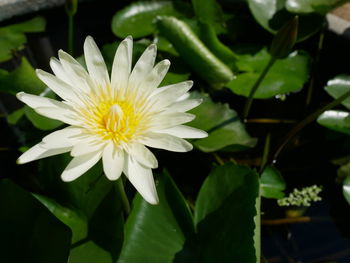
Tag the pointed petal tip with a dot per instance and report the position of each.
(67, 177)
(129, 37)
(20, 95)
(189, 83)
(151, 199)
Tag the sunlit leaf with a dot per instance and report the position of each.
(338, 86)
(310, 6)
(12, 38)
(29, 232)
(286, 75)
(336, 120)
(223, 125)
(272, 183)
(137, 18)
(224, 215)
(272, 15)
(157, 233)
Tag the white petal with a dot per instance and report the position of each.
(166, 142)
(79, 165)
(95, 62)
(122, 64)
(185, 105)
(62, 114)
(58, 86)
(142, 155)
(113, 161)
(172, 92)
(88, 145)
(39, 152)
(155, 77)
(185, 132)
(143, 66)
(167, 120)
(142, 179)
(79, 78)
(50, 108)
(66, 137)
(35, 101)
(58, 70)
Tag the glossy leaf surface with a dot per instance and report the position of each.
(226, 131)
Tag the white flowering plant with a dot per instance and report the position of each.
(169, 138)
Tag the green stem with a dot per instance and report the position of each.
(306, 121)
(70, 34)
(123, 197)
(315, 66)
(249, 101)
(266, 152)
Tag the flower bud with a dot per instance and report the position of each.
(71, 7)
(285, 39)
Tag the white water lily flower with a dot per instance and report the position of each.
(113, 118)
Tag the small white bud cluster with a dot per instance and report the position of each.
(302, 197)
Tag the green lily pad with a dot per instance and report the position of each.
(29, 232)
(338, 86)
(137, 18)
(336, 120)
(222, 124)
(272, 15)
(311, 6)
(272, 183)
(224, 215)
(285, 76)
(157, 233)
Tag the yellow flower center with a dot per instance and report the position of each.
(113, 118)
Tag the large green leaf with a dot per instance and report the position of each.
(193, 51)
(224, 215)
(157, 233)
(12, 37)
(286, 75)
(93, 208)
(105, 238)
(137, 18)
(85, 193)
(272, 183)
(72, 218)
(272, 15)
(336, 120)
(311, 6)
(226, 131)
(22, 78)
(338, 86)
(29, 232)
